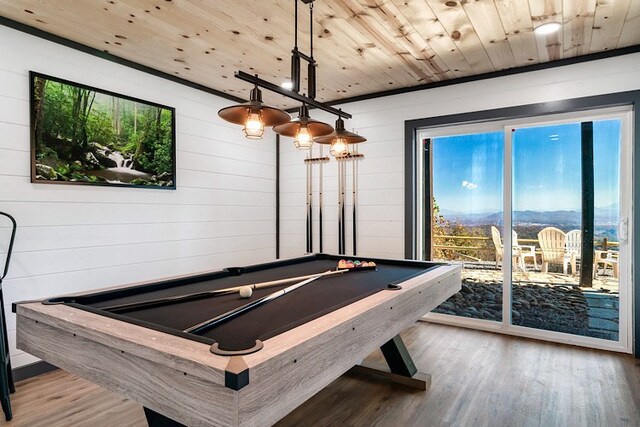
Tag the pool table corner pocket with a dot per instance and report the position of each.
(215, 349)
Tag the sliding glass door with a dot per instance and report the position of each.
(565, 212)
(537, 211)
(466, 196)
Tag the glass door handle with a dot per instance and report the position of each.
(623, 229)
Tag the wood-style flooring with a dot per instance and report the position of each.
(479, 379)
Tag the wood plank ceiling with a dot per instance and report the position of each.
(362, 46)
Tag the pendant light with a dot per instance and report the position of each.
(254, 115)
(340, 139)
(304, 129)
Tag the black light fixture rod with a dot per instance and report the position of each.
(295, 28)
(295, 56)
(289, 94)
(295, 70)
(311, 66)
(311, 29)
(305, 57)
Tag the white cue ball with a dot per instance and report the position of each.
(246, 292)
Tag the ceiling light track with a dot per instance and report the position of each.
(290, 94)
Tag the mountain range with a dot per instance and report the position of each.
(607, 215)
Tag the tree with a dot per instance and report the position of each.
(82, 102)
(135, 118)
(450, 236)
(39, 97)
(115, 115)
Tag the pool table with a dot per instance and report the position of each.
(253, 369)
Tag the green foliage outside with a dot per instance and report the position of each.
(83, 135)
(448, 246)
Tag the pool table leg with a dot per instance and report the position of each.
(401, 369)
(155, 419)
(398, 358)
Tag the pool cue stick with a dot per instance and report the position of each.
(308, 164)
(340, 225)
(338, 192)
(354, 184)
(311, 201)
(214, 293)
(320, 177)
(231, 314)
(344, 200)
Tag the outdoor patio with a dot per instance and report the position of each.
(551, 301)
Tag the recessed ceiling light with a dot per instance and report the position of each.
(548, 28)
(287, 85)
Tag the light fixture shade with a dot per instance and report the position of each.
(238, 114)
(340, 133)
(315, 128)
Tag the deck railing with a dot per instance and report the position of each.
(604, 244)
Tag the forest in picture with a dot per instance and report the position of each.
(82, 135)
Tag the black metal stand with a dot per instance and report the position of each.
(7, 385)
(155, 419)
(398, 357)
(401, 369)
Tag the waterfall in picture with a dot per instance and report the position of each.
(122, 172)
(121, 162)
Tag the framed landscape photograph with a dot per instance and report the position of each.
(84, 135)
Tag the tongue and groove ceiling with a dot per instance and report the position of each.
(362, 46)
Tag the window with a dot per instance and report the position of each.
(533, 210)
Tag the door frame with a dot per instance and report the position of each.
(515, 115)
(625, 324)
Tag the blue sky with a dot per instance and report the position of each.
(468, 171)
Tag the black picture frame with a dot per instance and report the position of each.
(33, 75)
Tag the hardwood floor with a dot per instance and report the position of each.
(478, 379)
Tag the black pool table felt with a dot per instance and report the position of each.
(287, 312)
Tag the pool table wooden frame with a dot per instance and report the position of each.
(183, 381)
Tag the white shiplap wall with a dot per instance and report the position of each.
(77, 238)
(381, 121)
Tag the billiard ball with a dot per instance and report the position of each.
(246, 292)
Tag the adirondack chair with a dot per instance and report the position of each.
(497, 242)
(573, 247)
(526, 251)
(552, 244)
(606, 258)
(518, 260)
